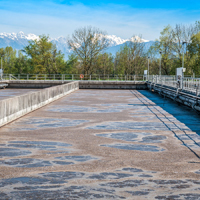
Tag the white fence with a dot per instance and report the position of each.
(74, 77)
(186, 83)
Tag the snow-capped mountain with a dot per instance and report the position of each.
(16, 40)
(20, 35)
(20, 40)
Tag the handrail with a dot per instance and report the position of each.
(74, 77)
(191, 85)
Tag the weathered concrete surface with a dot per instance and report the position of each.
(13, 108)
(138, 85)
(9, 93)
(102, 144)
(82, 84)
(35, 83)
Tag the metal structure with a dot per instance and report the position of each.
(160, 62)
(188, 84)
(191, 85)
(1, 70)
(75, 77)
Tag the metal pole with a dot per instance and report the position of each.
(148, 69)
(160, 63)
(1, 69)
(182, 64)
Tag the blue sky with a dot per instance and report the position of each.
(121, 18)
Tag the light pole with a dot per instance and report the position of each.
(160, 63)
(183, 54)
(148, 68)
(1, 69)
(183, 63)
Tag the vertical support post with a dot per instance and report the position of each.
(197, 90)
(54, 77)
(148, 69)
(160, 63)
(1, 68)
(90, 76)
(27, 77)
(183, 64)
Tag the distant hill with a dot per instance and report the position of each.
(20, 40)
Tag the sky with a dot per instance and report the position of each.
(116, 17)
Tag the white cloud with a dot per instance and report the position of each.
(56, 19)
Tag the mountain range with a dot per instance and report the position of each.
(20, 40)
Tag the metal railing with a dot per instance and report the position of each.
(75, 77)
(186, 83)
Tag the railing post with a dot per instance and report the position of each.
(134, 77)
(72, 77)
(54, 77)
(197, 90)
(27, 77)
(90, 76)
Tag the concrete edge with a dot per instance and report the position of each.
(9, 117)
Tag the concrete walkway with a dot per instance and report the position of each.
(102, 144)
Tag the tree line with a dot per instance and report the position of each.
(89, 56)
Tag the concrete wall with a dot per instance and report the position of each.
(13, 108)
(82, 84)
(35, 83)
(113, 85)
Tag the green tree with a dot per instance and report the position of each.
(22, 64)
(9, 57)
(131, 58)
(44, 56)
(103, 64)
(164, 47)
(72, 65)
(87, 43)
(194, 53)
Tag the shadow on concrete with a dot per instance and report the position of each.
(180, 113)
